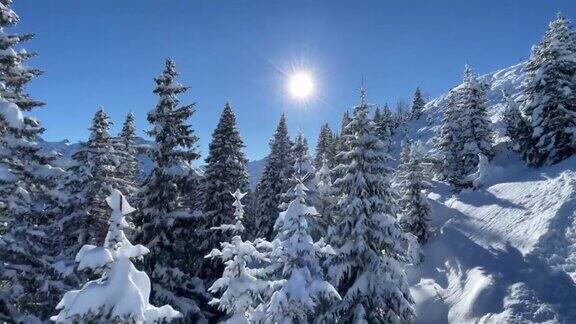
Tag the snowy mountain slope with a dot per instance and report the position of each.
(65, 149)
(255, 169)
(508, 79)
(500, 254)
(505, 252)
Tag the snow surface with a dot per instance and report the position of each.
(498, 253)
(506, 252)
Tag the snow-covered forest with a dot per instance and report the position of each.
(457, 209)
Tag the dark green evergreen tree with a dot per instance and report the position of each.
(30, 200)
(418, 104)
(370, 246)
(93, 174)
(226, 172)
(274, 182)
(383, 125)
(167, 226)
(325, 147)
(413, 202)
(128, 165)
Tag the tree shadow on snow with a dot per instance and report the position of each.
(453, 255)
(481, 197)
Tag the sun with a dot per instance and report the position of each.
(301, 85)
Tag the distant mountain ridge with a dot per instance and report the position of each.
(65, 149)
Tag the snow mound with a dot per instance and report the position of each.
(122, 293)
(505, 252)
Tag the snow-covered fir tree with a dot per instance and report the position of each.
(274, 182)
(241, 287)
(93, 172)
(401, 118)
(325, 147)
(418, 104)
(121, 294)
(404, 153)
(370, 246)
(516, 127)
(226, 170)
(383, 125)
(475, 136)
(29, 197)
(303, 170)
(128, 165)
(448, 145)
(302, 295)
(324, 203)
(15, 74)
(549, 103)
(166, 224)
(340, 142)
(303, 163)
(346, 119)
(413, 202)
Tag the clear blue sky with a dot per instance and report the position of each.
(106, 53)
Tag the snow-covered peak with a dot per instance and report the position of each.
(508, 80)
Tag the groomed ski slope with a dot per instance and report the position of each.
(505, 253)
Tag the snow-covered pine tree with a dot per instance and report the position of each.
(413, 202)
(383, 125)
(405, 147)
(121, 294)
(340, 144)
(240, 287)
(274, 182)
(343, 131)
(226, 169)
(370, 246)
(324, 203)
(128, 165)
(401, 118)
(29, 198)
(550, 95)
(418, 104)
(516, 127)
(301, 295)
(92, 174)
(324, 147)
(15, 74)
(476, 134)
(448, 144)
(303, 169)
(346, 119)
(166, 225)
(303, 164)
